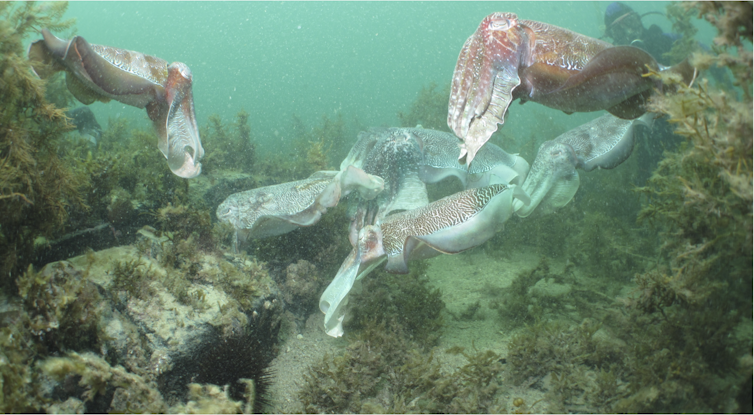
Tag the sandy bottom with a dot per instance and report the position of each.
(461, 279)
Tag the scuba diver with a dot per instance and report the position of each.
(624, 26)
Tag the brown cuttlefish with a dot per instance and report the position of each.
(508, 58)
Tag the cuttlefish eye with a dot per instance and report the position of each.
(501, 24)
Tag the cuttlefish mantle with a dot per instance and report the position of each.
(104, 73)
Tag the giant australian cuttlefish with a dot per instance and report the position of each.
(104, 73)
(508, 58)
(392, 219)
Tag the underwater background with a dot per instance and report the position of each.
(635, 297)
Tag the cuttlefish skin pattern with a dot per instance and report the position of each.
(243, 209)
(394, 155)
(104, 73)
(508, 58)
(441, 214)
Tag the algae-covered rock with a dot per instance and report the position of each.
(153, 329)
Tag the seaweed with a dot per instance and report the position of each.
(514, 304)
(229, 150)
(135, 277)
(36, 188)
(127, 392)
(407, 299)
(383, 371)
(429, 109)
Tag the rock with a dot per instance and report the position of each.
(152, 329)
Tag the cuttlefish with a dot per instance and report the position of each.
(278, 209)
(450, 225)
(603, 143)
(104, 73)
(492, 165)
(508, 58)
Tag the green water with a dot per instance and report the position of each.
(363, 60)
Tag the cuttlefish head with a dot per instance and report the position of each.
(183, 147)
(552, 181)
(485, 76)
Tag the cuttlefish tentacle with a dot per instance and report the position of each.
(449, 225)
(508, 59)
(104, 73)
(603, 143)
(278, 209)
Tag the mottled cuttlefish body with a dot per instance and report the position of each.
(452, 224)
(278, 209)
(104, 73)
(603, 143)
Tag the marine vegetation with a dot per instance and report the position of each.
(407, 299)
(389, 365)
(429, 109)
(37, 188)
(383, 371)
(681, 340)
(230, 150)
(96, 376)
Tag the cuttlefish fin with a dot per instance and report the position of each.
(82, 92)
(110, 78)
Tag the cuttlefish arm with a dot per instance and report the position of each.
(103, 73)
(278, 209)
(449, 225)
(486, 74)
(184, 148)
(552, 181)
(359, 263)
